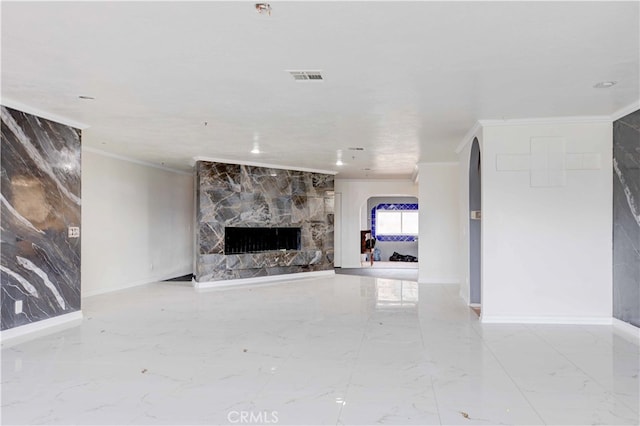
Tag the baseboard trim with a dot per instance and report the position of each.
(16, 335)
(627, 330)
(153, 279)
(269, 279)
(493, 319)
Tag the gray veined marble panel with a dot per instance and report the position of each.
(40, 264)
(626, 219)
(238, 195)
(211, 238)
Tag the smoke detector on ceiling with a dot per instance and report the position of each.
(306, 75)
(263, 8)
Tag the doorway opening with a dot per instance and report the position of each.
(393, 224)
(475, 228)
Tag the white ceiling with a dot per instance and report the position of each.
(405, 81)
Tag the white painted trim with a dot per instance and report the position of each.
(438, 281)
(475, 305)
(546, 120)
(635, 106)
(132, 160)
(438, 163)
(45, 327)
(375, 180)
(150, 280)
(260, 280)
(627, 330)
(499, 319)
(415, 175)
(10, 103)
(468, 137)
(266, 165)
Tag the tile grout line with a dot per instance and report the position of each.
(585, 373)
(424, 347)
(346, 392)
(484, 343)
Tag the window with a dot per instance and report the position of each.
(396, 222)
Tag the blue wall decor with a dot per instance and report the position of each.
(398, 206)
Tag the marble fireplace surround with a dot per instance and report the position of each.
(244, 195)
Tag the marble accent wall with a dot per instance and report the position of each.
(626, 218)
(240, 195)
(40, 263)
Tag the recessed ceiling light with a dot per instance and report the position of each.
(356, 148)
(339, 163)
(90, 98)
(255, 150)
(604, 84)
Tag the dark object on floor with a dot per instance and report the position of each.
(182, 278)
(397, 257)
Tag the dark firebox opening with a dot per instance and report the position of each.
(257, 240)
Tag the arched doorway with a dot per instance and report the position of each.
(475, 236)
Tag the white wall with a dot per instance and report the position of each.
(546, 253)
(136, 223)
(352, 218)
(438, 244)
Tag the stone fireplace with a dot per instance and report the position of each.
(258, 221)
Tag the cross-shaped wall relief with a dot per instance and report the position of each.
(548, 162)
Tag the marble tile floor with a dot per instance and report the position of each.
(405, 274)
(340, 350)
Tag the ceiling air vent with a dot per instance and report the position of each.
(306, 75)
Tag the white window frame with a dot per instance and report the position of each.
(401, 213)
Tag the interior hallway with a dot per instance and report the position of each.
(335, 350)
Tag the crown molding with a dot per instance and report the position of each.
(415, 176)
(10, 103)
(468, 137)
(133, 160)
(635, 106)
(266, 165)
(546, 120)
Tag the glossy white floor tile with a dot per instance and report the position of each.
(338, 351)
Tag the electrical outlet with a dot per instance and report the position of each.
(74, 232)
(18, 307)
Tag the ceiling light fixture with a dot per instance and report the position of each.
(604, 84)
(263, 8)
(256, 149)
(339, 159)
